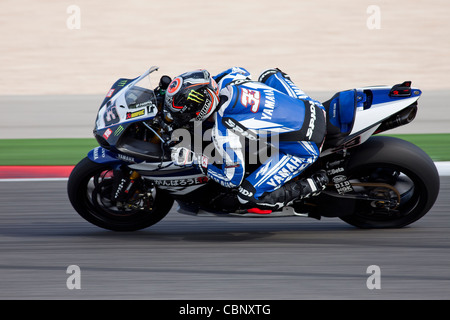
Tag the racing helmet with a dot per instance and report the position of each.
(191, 96)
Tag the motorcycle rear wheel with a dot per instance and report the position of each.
(89, 190)
(408, 173)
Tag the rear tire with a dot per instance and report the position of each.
(417, 183)
(89, 190)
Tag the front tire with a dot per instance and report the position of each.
(89, 190)
(408, 178)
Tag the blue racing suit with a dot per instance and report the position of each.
(272, 107)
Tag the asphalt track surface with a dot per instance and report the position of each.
(185, 257)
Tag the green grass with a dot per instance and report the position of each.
(70, 151)
(44, 151)
(436, 145)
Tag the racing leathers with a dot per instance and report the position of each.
(272, 108)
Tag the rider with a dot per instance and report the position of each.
(239, 107)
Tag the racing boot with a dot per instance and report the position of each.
(293, 190)
(227, 202)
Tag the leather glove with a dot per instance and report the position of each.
(182, 156)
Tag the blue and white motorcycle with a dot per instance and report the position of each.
(129, 182)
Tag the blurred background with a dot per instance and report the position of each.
(322, 44)
(59, 58)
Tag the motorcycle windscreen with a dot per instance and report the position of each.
(135, 101)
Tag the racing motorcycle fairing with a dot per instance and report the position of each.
(102, 155)
(354, 115)
(380, 103)
(127, 102)
(122, 121)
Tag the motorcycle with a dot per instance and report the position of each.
(129, 181)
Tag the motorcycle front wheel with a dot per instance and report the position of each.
(90, 187)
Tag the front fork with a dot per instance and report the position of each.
(125, 184)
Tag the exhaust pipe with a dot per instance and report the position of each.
(403, 117)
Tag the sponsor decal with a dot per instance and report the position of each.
(250, 98)
(339, 178)
(151, 107)
(110, 93)
(135, 114)
(152, 110)
(204, 162)
(181, 182)
(107, 133)
(206, 108)
(96, 155)
(125, 157)
(269, 105)
(119, 188)
(293, 165)
(238, 128)
(335, 171)
(196, 96)
(141, 105)
(343, 186)
(118, 131)
(121, 83)
(245, 192)
(312, 120)
(111, 116)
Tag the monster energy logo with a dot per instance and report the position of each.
(196, 96)
(118, 131)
